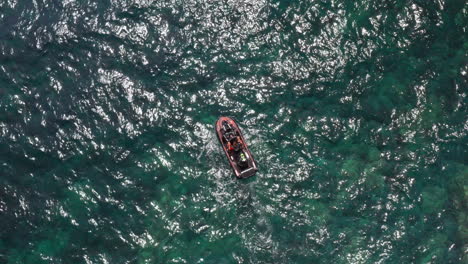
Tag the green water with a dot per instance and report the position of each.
(355, 111)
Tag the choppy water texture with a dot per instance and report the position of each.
(356, 112)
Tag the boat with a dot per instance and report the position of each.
(235, 148)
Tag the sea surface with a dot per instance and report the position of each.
(355, 111)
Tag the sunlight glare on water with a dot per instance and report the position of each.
(354, 110)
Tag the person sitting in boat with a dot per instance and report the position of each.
(242, 160)
(230, 147)
(235, 145)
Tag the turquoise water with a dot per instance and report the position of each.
(356, 112)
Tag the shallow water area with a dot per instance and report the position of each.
(355, 112)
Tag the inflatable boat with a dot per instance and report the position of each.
(235, 148)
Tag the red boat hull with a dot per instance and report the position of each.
(251, 166)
